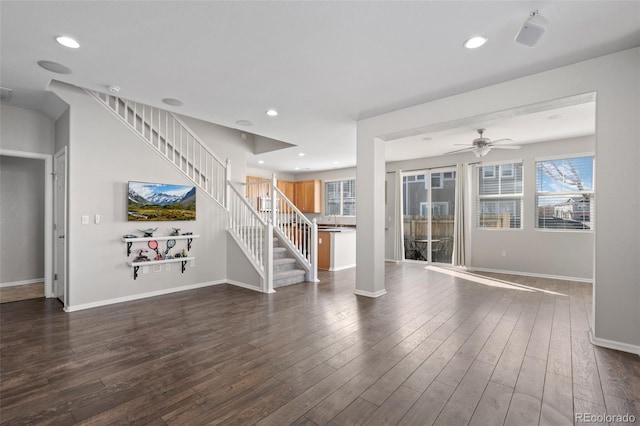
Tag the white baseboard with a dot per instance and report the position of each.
(244, 285)
(370, 294)
(525, 274)
(612, 344)
(142, 296)
(23, 282)
(341, 268)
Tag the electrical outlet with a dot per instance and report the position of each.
(157, 268)
(84, 220)
(97, 219)
(167, 267)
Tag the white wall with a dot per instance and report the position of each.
(530, 251)
(26, 130)
(21, 219)
(103, 156)
(62, 134)
(616, 80)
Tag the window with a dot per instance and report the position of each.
(436, 180)
(499, 203)
(564, 193)
(341, 198)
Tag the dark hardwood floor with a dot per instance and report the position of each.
(439, 348)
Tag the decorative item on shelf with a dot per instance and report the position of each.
(153, 245)
(129, 236)
(184, 253)
(142, 257)
(176, 231)
(187, 233)
(170, 244)
(148, 232)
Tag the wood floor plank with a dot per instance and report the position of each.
(437, 348)
(526, 400)
(557, 401)
(394, 408)
(355, 414)
(493, 405)
(462, 404)
(427, 408)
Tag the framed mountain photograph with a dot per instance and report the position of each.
(160, 202)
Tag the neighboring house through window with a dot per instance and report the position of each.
(341, 198)
(499, 202)
(564, 193)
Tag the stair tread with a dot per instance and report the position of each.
(284, 260)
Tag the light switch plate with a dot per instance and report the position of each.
(84, 220)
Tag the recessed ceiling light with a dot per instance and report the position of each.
(68, 42)
(301, 154)
(244, 123)
(54, 67)
(260, 161)
(272, 113)
(554, 117)
(113, 89)
(296, 168)
(427, 138)
(336, 162)
(474, 42)
(172, 102)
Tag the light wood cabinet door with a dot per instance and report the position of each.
(308, 196)
(288, 189)
(324, 250)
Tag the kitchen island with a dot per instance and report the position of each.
(336, 248)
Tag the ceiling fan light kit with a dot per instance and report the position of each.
(481, 146)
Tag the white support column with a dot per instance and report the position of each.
(370, 177)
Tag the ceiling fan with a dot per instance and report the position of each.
(481, 146)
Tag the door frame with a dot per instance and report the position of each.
(48, 212)
(62, 152)
(427, 172)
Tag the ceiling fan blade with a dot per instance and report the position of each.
(502, 140)
(506, 147)
(471, 148)
(464, 144)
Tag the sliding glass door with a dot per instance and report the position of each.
(428, 212)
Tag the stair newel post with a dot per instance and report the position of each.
(268, 258)
(227, 179)
(274, 199)
(313, 245)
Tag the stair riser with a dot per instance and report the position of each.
(284, 267)
(288, 281)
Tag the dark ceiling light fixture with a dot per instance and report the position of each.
(54, 67)
(532, 30)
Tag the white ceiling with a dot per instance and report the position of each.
(323, 65)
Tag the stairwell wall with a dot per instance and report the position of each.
(103, 156)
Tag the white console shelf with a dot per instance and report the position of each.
(136, 265)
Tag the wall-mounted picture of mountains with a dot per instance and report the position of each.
(161, 202)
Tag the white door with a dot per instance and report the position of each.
(60, 224)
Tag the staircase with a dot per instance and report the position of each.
(285, 267)
(280, 257)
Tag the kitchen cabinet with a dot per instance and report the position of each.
(308, 196)
(288, 188)
(324, 250)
